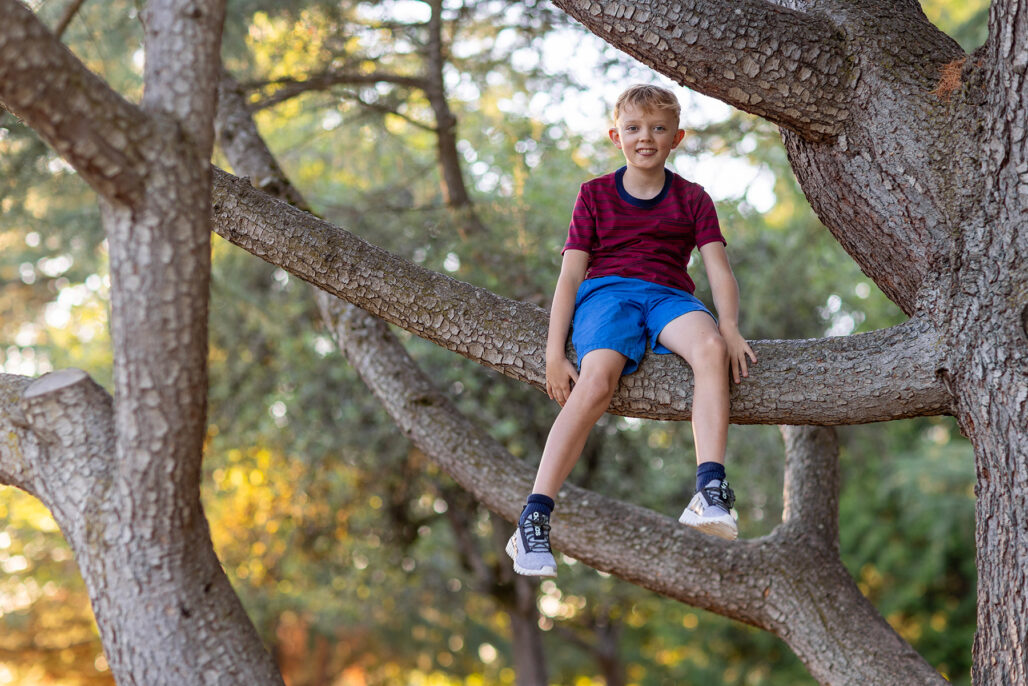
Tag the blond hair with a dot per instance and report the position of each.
(647, 98)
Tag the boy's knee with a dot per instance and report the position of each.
(596, 389)
(712, 351)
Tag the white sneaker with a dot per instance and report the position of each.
(529, 547)
(710, 511)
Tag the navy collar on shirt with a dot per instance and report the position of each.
(619, 179)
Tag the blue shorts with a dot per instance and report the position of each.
(624, 314)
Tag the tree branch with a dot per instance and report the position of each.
(786, 66)
(242, 144)
(99, 133)
(291, 88)
(159, 599)
(385, 109)
(876, 376)
(843, 638)
(246, 150)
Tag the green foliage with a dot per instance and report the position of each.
(908, 537)
(966, 22)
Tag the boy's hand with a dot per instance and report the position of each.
(738, 349)
(560, 374)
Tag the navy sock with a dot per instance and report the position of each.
(537, 502)
(707, 472)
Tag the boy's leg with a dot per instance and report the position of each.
(695, 337)
(529, 547)
(589, 399)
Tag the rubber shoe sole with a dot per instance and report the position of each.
(512, 551)
(722, 527)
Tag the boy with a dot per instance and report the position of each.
(623, 281)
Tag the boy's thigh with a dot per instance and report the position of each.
(685, 334)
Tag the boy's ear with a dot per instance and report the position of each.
(679, 135)
(615, 137)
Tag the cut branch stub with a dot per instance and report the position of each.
(74, 418)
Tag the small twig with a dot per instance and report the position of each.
(69, 13)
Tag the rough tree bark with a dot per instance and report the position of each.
(924, 182)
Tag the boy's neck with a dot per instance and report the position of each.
(643, 184)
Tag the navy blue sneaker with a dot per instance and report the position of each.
(529, 547)
(710, 511)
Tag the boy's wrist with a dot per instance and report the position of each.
(728, 327)
(553, 351)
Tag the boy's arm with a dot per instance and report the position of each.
(560, 373)
(726, 300)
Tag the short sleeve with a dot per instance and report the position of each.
(582, 232)
(708, 230)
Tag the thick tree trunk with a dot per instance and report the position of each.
(122, 478)
(989, 340)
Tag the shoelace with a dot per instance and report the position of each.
(537, 533)
(720, 495)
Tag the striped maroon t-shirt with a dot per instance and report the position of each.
(643, 239)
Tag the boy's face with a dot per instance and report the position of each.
(646, 137)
